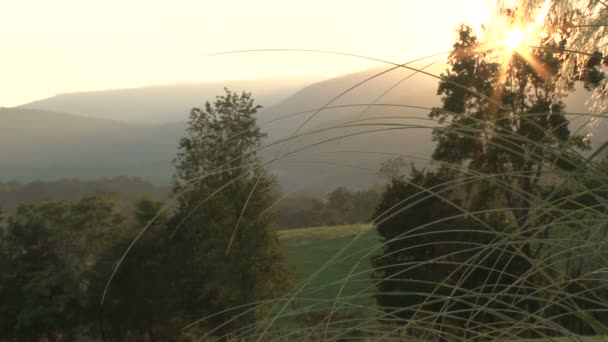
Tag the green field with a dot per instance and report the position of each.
(332, 263)
(322, 259)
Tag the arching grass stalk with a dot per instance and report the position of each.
(568, 232)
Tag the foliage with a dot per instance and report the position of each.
(222, 218)
(125, 191)
(341, 206)
(300, 211)
(506, 125)
(393, 168)
(468, 247)
(49, 250)
(584, 23)
(296, 211)
(146, 297)
(432, 250)
(346, 207)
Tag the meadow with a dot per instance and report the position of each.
(333, 263)
(325, 258)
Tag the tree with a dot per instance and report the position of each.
(222, 215)
(506, 120)
(438, 266)
(301, 211)
(503, 128)
(50, 249)
(587, 51)
(144, 299)
(7, 308)
(339, 207)
(392, 168)
(581, 26)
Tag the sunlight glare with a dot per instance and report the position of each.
(515, 36)
(513, 39)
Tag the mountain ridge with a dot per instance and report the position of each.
(160, 103)
(341, 146)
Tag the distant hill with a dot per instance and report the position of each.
(164, 103)
(37, 144)
(337, 147)
(350, 156)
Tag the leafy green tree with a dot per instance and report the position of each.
(584, 23)
(432, 251)
(507, 121)
(222, 215)
(301, 211)
(365, 203)
(339, 207)
(50, 249)
(503, 127)
(7, 295)
(144, 299)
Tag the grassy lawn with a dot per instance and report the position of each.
(310, 249)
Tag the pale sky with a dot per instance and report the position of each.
(50, 47)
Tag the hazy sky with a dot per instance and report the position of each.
(50, 47)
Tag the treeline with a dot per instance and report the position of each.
(59, 279)
(55, 258)
(58, 253)
(124, 189)
(340, 206)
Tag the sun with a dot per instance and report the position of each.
(517, 39)
(514, 39)
(510, 32)
(515, 34)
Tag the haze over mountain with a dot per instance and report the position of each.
(163, 103)
(343, 144)
(45, 145)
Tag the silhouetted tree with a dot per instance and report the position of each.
(503, 125)
(222, 215)
(435, 257)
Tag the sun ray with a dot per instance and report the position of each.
(510, 35)
(540, 69)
